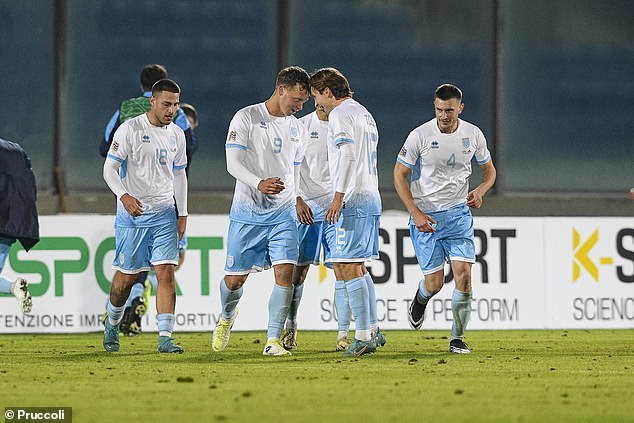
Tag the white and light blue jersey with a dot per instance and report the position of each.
(350, 122)
(148, 155)
(315, 186)
(441, 163)
(273, 147)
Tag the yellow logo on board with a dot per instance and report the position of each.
(581, 259)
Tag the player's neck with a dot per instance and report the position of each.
(153, 120)
(273, 107)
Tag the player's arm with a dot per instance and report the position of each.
(422, 221)
(236, 168)
(111, 175)
(347, 161)
(180, 196)
(475, 197)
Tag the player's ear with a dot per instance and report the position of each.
(460, 108)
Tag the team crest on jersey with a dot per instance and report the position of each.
(434, 144)
(403, 152)
(114, 146)
(263, 125)
(465, 142)
(173, 141)
(314, 134)
(232, 136)
(145, 138)
(294, 132)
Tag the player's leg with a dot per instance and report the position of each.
(309, 237)
(119, 291)
(460, 248)
(246, 252)
(377, 336)
(20, 287)
(460, 305)
(289, 335)
(431, 259)
(342, 305)
(342, 310)
(135, 307)
(359, 300)
(164, 258)
(282, 247)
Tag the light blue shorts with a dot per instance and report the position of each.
(353, 239)
(452, 240)
(5, 247)
(137, 249)
(253, 248)
(311, 239)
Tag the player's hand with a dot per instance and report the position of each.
(424, 222)
(271, 186)
(132, 205)
(332, 214)
(182, 226)
(304, 212)
(474, 199)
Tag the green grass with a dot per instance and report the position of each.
(511, 376)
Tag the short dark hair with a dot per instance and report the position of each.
(150, 74)
(293, 75)
(190, 111)
(165, 85)
(447, 92)
(333, 79)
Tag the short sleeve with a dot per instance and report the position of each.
(482, 154)
(410, 152)
(120, 144)
(238, 135)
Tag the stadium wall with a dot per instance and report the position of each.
(530, 273)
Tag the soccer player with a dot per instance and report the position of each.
(18, 214)
(265, 145)
(438, 155)
(145, 169)
(137, 303)
(314, 197)
(355, 210)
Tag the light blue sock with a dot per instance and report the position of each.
(229, 300)
(153, 281)
(115, 313)
(5, 285)
(298, 290)
(461, 308)
(136, 291)
(423, 296)
(342, 308)
(165, 324)
(372, 300)
(359, 304)
(279, 304)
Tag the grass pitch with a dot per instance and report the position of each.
(510, 376)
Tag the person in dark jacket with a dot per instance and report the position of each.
(18, 214)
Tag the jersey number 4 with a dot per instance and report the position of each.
(452, 161)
